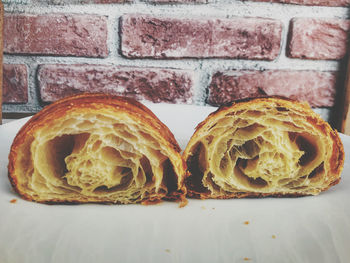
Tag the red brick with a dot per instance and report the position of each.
(75, 2)
(15, 83)
(247, 38)
(317, 88)
(310, 2)
(153, 84)
(88, 1)
(318, 38)
(109, 1)
(56, 34)
(178, 1)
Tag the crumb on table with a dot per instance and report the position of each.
(246, 222)
(14, 200)
(273, 236)
(246, 259)
(167, 250)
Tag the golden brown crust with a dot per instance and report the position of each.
(110, 106)
(98, 100)
(196, 189)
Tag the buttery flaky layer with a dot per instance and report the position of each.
(263, 147)
(96, 148)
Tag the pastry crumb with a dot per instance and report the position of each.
(246, 222)
(167, 250)
(183, 202)
(13, 201)
(273, 236)
(213, 208)
(247, 259)
(203, 207)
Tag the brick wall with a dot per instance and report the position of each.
(204, 52)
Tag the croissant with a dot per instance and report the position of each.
(96, 148)
(263, 147)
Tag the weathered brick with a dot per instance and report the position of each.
(177, 1)
(74, 2)
(310, 2)
(313, 38)
(109, 1)
(317, 88)
(15, 83)
(154, 37)
(153, 84)
(56, 34)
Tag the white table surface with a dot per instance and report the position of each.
(7, 120)
(314, 229)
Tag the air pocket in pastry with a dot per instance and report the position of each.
(263, 147)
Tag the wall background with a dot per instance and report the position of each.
(180, 51)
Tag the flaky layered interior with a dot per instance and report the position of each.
(94, 157)
(263, 148)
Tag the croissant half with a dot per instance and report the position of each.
(96, 148)
(263, 147)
